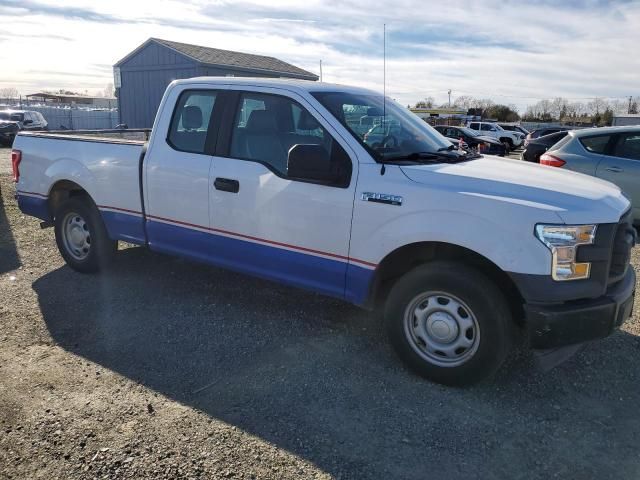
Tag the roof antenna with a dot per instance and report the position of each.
(384, 84)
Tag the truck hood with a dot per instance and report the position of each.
(574, 197)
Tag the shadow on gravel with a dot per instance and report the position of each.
(315, 376)
(9, 259)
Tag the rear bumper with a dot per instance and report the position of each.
(579, 321)
(7, 136)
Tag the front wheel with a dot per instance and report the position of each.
(449, 323)
(82, 237)
(508, 145)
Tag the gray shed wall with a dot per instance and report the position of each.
(146, 75)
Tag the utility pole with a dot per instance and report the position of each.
(320, 70)
(629, 109)
(449, 92)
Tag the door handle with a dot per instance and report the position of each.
(614, 169)
(227, 185)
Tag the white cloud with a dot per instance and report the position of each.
(513, 52)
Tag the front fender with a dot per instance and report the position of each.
(511, 249)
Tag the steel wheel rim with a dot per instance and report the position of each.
(442, 329)
(76, 236)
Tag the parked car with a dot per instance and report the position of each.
(538, 146)
(472, 139)
(514, 127)
(27, 119)
(376, 134)
(269, 177)
(610, 153)
(510, 140)
(8, 131)
(541, 132)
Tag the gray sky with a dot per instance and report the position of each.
(509, 51)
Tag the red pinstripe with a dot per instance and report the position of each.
(248, 237)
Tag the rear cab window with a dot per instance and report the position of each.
(190, 122)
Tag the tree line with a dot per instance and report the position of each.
(599, 111)
(483, 107)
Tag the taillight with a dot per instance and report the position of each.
(551, 161)
(16, 158)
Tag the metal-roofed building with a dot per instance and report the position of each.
(142, 76)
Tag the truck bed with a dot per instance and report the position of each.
(103, 163)
(134, 136)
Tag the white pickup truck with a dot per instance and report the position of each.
(271, 177)
(510, 139)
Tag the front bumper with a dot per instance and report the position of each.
(579, 321)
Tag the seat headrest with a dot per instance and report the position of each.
(307, 122)
(262, 121)
(192, 117)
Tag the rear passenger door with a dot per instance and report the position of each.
(176, 180)
(266, 222)
(621, 165)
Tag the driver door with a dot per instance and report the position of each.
(264, 222)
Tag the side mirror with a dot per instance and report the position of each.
(309, 162)
(27, 122)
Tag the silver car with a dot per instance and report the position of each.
(611, 153)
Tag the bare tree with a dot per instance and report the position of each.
(559, 107)
(428, 102)
(464, 102)
(9, 92)
(109, 92)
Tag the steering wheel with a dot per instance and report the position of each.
(385, 143)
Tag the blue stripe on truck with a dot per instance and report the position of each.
(34, 206)
(334, 277)
(299, 269)
(123, 226)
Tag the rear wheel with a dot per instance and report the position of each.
(449, 323)
(82, 237)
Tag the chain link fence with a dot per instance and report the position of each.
(67, 117)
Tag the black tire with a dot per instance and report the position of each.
(477, 294)
(101, 248)
(508, 145)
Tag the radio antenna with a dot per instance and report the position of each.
(384, 73)
(384, 85)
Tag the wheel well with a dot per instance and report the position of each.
(406, 258)
(507, 139)
(61, 191)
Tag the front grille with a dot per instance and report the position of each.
(623, 242)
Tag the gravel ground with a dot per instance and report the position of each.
(167, 369)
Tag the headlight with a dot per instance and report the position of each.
(563, 241)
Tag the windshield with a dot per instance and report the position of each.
(386, 131)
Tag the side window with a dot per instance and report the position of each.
(486, 128)
(595, 144)
(190, 122)
(268, 127)
(628, 146)
(474, 126)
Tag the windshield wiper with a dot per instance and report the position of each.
(422, 157)
(445, 149)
